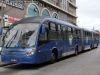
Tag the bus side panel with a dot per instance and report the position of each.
(95, 42)
(79, 45)
(45, 51)
(67, 48)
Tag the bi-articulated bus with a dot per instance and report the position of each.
(36, 40)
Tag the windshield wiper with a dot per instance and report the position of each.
(20, 39)
(11, 40)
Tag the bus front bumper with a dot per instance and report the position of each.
(19, 59)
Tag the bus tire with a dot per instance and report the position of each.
(53, 57)
(76, 51)
(97, 45)
(90, 47)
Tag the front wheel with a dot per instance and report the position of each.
(53, 57)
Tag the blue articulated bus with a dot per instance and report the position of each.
(36, 40)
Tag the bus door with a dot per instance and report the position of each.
(71, 43)
(65, 42)
(60, 41)
(75, 38)
(87, 46)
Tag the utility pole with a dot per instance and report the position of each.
(2, 15)
(2, 22)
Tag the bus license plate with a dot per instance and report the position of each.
(13, 60)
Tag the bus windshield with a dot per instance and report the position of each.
(21, 35)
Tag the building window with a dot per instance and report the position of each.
(54, 2)
(55, 16)
(45, 5)
(57, 4)
(45, 12)
(70, 0)
(33, 11)
(41, 4)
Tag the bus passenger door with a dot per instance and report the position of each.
(60, 41)
(70, 41)
(65, 43)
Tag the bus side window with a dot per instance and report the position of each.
(69, 30)
(75, 33)
(59, 27)
(46, 24)
(95, 36)
(52, 34)
(43, 37)
(64, 32)
(79, 34)
(59, 32)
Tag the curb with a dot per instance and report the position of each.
(4, 64)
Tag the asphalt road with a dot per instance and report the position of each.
(86, 63)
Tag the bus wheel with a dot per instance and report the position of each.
(90, 47)
(53, 57)
(76, 51)
(97, 45)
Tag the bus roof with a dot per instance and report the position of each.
(87, 30)
(38, 19)
(90, 30)
(95, 32)
(61, 22)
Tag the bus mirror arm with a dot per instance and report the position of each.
(0, 31)
(43, 30)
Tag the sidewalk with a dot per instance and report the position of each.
(3, 64)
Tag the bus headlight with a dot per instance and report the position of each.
(30, 53)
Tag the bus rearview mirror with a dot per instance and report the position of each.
(0, 31)
(43, 30)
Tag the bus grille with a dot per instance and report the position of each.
(14, 52)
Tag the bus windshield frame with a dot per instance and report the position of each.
(21, 35)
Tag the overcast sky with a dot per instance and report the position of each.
(88, 13)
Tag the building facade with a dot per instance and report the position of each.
(60, 9)
(4, 5)
(14, 10)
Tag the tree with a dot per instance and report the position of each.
(74, 23)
